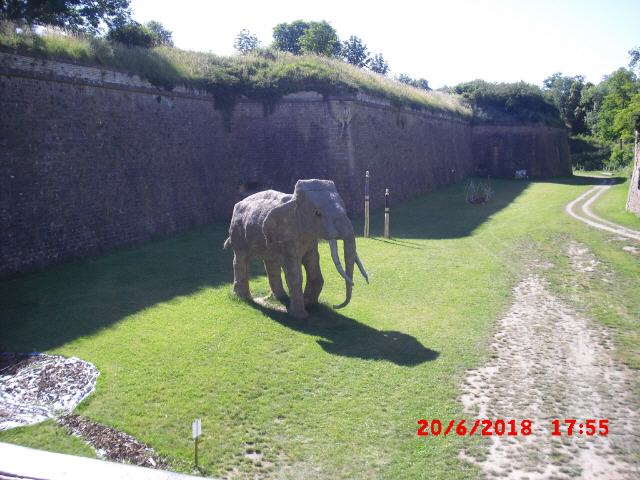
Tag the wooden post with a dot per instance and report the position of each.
(386, 213)
(366, 204)
(196, 452)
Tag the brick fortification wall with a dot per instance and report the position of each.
(93, 159)
(633, 200)
(503, 149)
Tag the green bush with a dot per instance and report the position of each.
(587, 153)
(509, 102)
(621, 157)
(133, 35)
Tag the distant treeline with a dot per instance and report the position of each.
(602, 117)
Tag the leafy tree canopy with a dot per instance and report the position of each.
(246, 42)
(634, 60)
(89, 16)
(421, 83)
(320, 38)
(619, 106)
(509, 101)
(134, 34)
(355, 52)
(163, 36)
(566, 93)
(378, 64)
(286, 36)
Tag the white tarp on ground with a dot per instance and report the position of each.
(43, 386)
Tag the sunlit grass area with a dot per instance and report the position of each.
(334, 396)
(611, 206)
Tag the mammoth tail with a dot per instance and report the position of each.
(227, 243)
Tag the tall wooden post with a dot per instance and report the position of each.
(386, 213)
(366, 204)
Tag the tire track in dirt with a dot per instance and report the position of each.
(580, 209)
(551, 363)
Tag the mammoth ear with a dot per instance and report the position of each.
(281, 224)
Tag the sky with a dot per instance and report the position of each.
(446, 42)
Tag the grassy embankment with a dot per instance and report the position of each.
(264, 76)
(334, 396)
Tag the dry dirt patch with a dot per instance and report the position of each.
(551, 363)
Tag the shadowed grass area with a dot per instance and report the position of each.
(334, 396)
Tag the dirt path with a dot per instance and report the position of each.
(580, 209)
(550, 363)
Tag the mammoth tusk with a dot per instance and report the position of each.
(361, 268)
(333, 244)
(342, 305)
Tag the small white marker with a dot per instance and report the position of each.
(196, 431)
(196, 428)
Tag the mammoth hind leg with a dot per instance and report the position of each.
(273, 269)
(315, 282)
(241, 275)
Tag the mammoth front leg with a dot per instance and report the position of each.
(293, 275)
(273, 269)
(241, 275)
(312, 289)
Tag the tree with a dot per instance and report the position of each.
(404, 78)
(422, 84)
(161, 34)
(286, 36)
(355, 52)
(132, 34)
(616, 111)
(378, 64)
(89, 16)
(566, 94)
(634, 62)
(320, 38)
(246, 42)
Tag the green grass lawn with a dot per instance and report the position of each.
(334, 396)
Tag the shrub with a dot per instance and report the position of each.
(587, 153)
(478, 191)
(521, 102)
(133, 35)
(621, 157)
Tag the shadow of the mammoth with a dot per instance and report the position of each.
(349, 338)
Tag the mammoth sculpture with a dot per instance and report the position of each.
(283, 230)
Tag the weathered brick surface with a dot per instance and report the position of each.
(503, 149)
(91, 160)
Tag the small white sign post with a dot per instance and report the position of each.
(196, 431)
(386, 213)
(366, 204)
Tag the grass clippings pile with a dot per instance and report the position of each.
(112, 444)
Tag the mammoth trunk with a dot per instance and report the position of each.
(350, 257)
